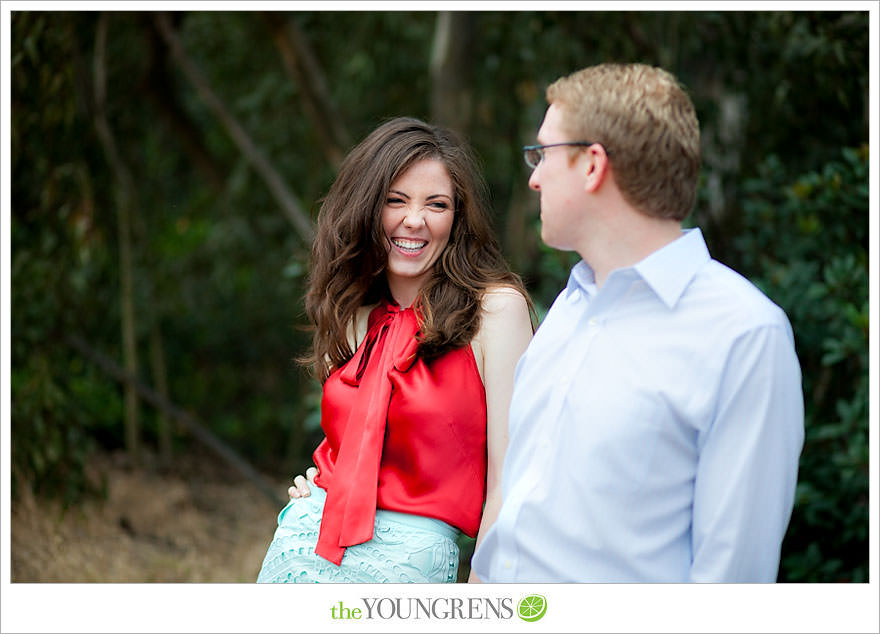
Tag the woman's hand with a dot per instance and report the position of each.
(300, 488)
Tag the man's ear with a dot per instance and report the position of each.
(595, 167)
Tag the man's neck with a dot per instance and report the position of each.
(625, 240)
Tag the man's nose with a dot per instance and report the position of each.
(533, 179)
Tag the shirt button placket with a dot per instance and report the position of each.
(544, 455)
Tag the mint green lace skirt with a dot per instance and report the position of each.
(405, 549)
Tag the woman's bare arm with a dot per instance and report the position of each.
(505, 332)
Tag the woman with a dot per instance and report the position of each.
(418, 326)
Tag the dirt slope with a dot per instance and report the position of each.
(198, 522)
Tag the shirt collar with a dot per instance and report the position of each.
(669, 270)
(581, 277)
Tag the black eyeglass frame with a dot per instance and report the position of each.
(540, 150)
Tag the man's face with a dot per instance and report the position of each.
(560, 183)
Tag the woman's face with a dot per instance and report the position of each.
(416, 220)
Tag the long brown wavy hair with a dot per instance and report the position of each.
(349, 253)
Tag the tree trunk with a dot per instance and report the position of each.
(451, 98)
(125, 196)
(160, 381)
(518, 242)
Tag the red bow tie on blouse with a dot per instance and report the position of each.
(350, 509)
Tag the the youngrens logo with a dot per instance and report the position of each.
(435, 608)
(530, 608)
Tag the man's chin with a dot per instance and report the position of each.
(552, 240)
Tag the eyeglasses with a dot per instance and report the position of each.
(534, 154)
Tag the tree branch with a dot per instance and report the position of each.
(190, 422)
(162, 94)
(283, 196)
(302, 66)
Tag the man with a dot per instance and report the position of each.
(657, 415)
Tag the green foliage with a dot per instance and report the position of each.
(60, 406)
(53, 432)
(805, 244)
(202, 260)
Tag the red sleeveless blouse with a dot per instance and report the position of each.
(401, 434)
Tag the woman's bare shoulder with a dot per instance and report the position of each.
(505, 310)
(500, 298)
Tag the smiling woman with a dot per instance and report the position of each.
(418, 326)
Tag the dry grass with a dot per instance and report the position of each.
(199, 523)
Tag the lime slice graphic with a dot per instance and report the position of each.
(532, 607)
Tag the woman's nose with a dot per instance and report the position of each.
(414, 218)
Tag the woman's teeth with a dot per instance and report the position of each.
(409, 245)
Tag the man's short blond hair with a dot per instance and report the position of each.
(648, 126)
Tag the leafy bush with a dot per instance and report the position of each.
(805, 243)
(59, 406)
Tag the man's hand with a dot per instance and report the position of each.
(300, 488)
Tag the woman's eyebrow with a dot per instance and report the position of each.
(429, 197)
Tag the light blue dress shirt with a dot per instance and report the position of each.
(655, 430)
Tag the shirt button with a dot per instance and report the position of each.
(593, 322)
(507, 564)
